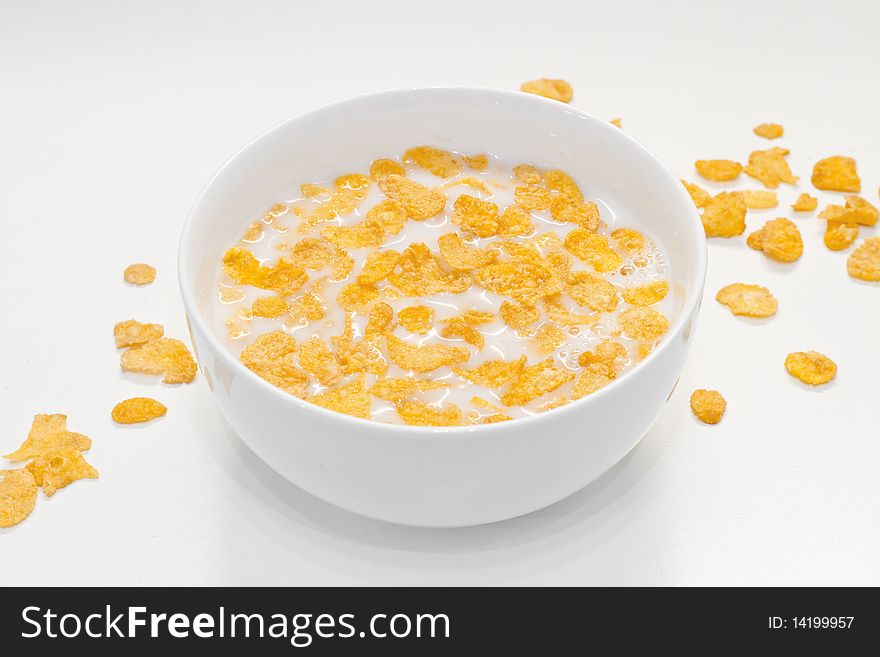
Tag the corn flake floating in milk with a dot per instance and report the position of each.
(271, 356)
(351, 399)
(53, 471)
(553, 89)
(607, 351)
(779, 239)
(383, 168)
(810, 367)
(459, 255)
(492, 373)
(518, 316)
(534, 381)
(594, 376)
(523, 281)
(284, 277)
(131, 333)
(419, 413)
(585, 215)
(593, 249)
(864, 262)
(515, 221)
(646, 295)
(377, 266)
(718, 170)
(476, 217)
(18, 496)
(837, 174)
(419, 201)
(476, 162)
(747, 300)
(724, 215)
(527, 173)
(48, 433)
(770, 167)
(532, 197)
(423, 358)
(270, 307)
(643, 323)
(592, 291)
(439, 162)
(708, 406)
(547, 339)
(165, 356)
(136, 410)
(629, 240)
(417, 319)
(395, 390)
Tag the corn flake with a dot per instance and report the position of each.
(165, 356)
(18, 496)
(377, 266)
(718, 170)
(423, 358)
(759, 199)
(316, 358)
(534, 381)
(592, 291)
(518, 316)
(351, 399)
(395, 390)
(353, 181)
(476, 162)
(419, 201)
(593, 249)
(768, 130)
(840, 236)
(526, 173)
(270, 307)
(643, 323)
(805, 203)
(523, 281)
(770, 167)
(285, 277)
(585, 215)
(459, 255)
(553, 89)
(48, 433)
(471, 182)
(607, 352)
(747, 300)
(856, 211)
(532, 197)
(595, 376)
(561, 182)
(439, 162)
(779, 239)
(492, 373)
(698, 195)
(313, 192)
(547, 338)
(418, 272)
(131, 333)
(629, 240)
(312, 253)
(475, 216)
(560, 315)
(810, 367)
(646, 295)
(708, 406)
(419, 413)
(383, 168)
(136, 410)
(270, 356)
(724, 215)
(416, 319)
(864, 262)
(56, 470)
(837, 174)
(355, 297)
(139, 274)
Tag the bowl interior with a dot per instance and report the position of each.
(611, 167)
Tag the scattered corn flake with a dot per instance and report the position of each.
(419, 413)
(779, 239)
(471, 182)
(646, 295)
(377, 266)
(811, 367)
(423, 358)
(617, 122)
(607, 352)
(476, 162)
(354, 181)
(439, 162)
(532, 197)
(383, 168)
(864, 262)
(629, 239)
(837, 174)
(699, 195)
(494, 418)
(136, 410)
(475, 216)
(593, 377)
(747, 300)
(592, 291)
(805, 203)
(459, 255)
(718, 170)
(416, 319)
(643, 323)
(270, 356)
(518, 316)
(351, 399)
(759, 199)
(547, 338)
(166, 356)
(856, 211)
(585, 215)
(395, 390)
(18, 496)
(840, 236)
(270, 307)
(523, 281)
(534, 381)
(553, 89)
(708, 406)
(527, 173)
(139, 274)
(419, 201)
(56, 470)
(312, 253)
(130, 333)
(561, 182)
(770, 167)
(48, 433)
(355, 297)
(593, 249)
(314, 192)
(768, 130)
(724, 215)
(492, 373)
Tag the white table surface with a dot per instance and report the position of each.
(114, 114)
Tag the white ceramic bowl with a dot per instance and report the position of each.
(442, 477)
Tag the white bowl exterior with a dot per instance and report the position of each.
(424, 476)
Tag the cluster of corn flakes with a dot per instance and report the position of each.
(469, 294)
(54, 460)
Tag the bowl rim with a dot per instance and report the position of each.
(688, 311)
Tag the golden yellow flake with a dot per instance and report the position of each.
(718, 170)
(699, 195)
(708, 406)
(136, 410)
(553, 89)
(423, 358)
(643, 323)
(779, 239)
(139, 274)
(724, 215)
(593, 249)
(419, 201)
(805, 203)
(165, 356)
(131, 333)
(770, 167)
(56, 470)
(864, 262)
(768, 130)
(419, 413)
(351, 399)
(811, 367)
(492, 373)
(747, 300)
(647, 294)
(840, 236)
(48, 433)
(18, 496)
(837, 174)
(271, 357)
(534, 381)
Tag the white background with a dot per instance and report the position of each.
(114, 114)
